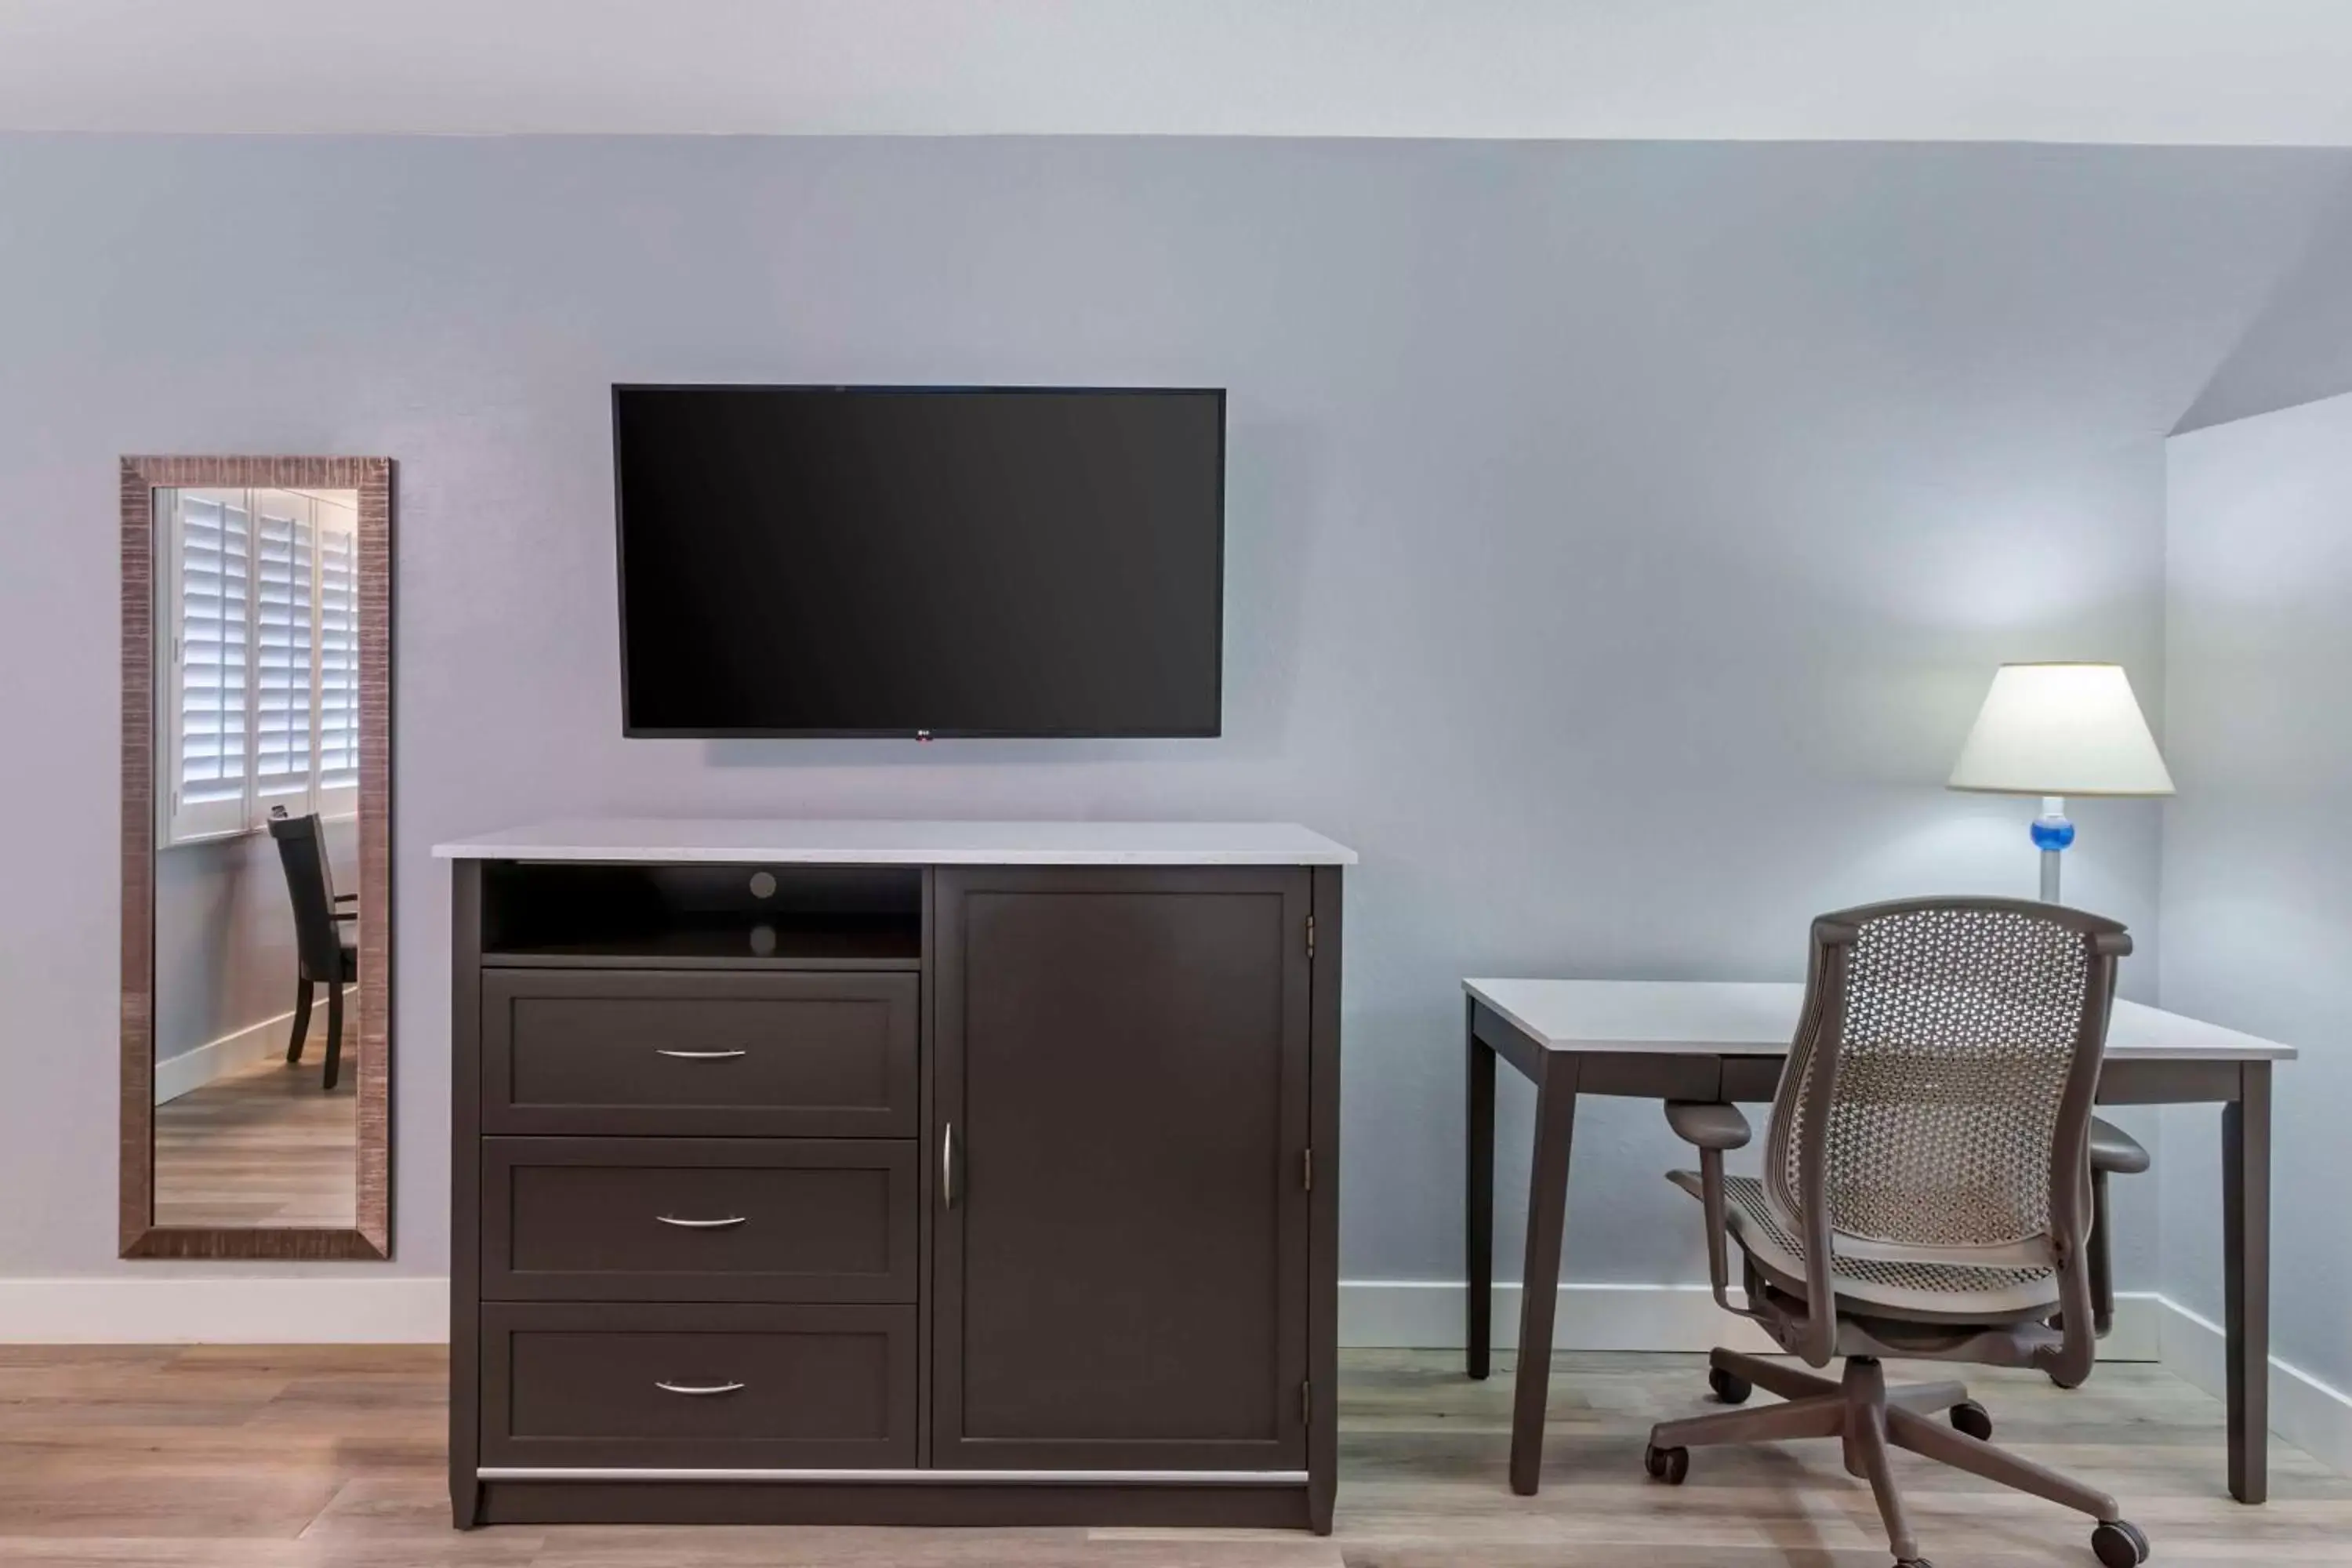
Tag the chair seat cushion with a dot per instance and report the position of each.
(1935, 1292)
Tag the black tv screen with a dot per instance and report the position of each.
(904, 561)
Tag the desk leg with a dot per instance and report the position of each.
(2246, 1279)
(1478, 1187)
(1539, 1281)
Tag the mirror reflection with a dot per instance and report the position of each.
(257, 919)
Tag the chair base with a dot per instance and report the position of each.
(1870, 1420)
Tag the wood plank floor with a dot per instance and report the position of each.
(263, 1146)
(331, 1456)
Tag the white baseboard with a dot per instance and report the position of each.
(169, 1310)
(2305, 1411)
(175, 1076)
(1426, 1314)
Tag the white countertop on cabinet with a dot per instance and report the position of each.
(889, 842)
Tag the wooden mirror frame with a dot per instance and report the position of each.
(370, 1233)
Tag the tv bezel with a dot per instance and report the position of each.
(634, 731)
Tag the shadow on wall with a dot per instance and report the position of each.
(2297, 348)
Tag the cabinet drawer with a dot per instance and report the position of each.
(698, 1219)
(792, 1055)
(612, 1383)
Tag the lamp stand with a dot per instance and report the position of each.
(2051, 834)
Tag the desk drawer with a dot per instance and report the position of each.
(702, 1386)
(775, 1055)
(698, 1219)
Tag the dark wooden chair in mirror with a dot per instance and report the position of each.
(324, 955)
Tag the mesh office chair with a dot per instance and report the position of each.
(1926, 1193)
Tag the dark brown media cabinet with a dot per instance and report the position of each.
(794, 1187)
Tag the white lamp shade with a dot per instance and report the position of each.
(2060, 729)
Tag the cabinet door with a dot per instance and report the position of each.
(1120, 1244)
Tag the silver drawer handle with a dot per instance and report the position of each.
(697, 1389)
(700, 1224)
(699, 1055)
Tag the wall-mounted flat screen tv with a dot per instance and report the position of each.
(919, 561)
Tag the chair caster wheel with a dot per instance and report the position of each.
(1667, 1465)
(2119, 1545)
(1973, 1420)
(1729, 1386)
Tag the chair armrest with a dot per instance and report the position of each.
(2116, 1151)
(1712, 1129)
(1707, 1126)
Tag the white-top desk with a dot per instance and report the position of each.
(1715, 1041)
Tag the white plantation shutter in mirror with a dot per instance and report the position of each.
(338, 747)
(211, 654)
(262, 694)
(286, 579)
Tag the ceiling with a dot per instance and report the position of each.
(2264, 72)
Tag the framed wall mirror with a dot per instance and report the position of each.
(256, 858)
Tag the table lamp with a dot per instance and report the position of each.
(2056, 730)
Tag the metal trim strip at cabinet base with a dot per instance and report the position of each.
(1136, 1504)
(867, 1478)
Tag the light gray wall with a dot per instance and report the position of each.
(1620, 537)
(2257, 901)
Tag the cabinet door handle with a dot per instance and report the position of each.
(731, 1220)
(699, 1390)
(946, 1166)
(699, 1055)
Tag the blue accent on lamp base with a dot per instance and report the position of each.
(2053, 832)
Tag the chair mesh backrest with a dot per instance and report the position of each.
(1955, 1042)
